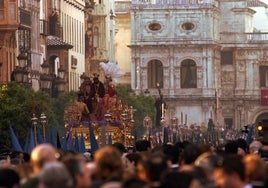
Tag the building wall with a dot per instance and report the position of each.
(72, 21)
(123, 39)
(200, 33)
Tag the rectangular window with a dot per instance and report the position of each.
(2, 12)
(227, 58)
(263, 71)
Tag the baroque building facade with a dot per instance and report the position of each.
(123, 39)
(206, 57)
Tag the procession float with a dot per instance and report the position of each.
(98, 112)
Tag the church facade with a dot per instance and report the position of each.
(206, 57)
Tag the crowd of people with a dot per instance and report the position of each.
(234, 164)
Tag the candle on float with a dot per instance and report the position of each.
(163, 110)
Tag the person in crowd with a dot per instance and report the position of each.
(55, 175)
(121, 148)
(242, 146)
(9, 178)
(172, 153)
(255, 169)
(176, 179)
(230, 172)
(231, 147)
(134, 182)
(142, 145)
(130, 161)
(208, 161)
(77, 167)
(254, 147)
(109, 167)
(152, 167)
(41, 154)
(188, 156)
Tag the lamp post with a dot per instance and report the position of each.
(60, 82)
(45, 78)
(20, 73)
(43, 121)
(34, 124)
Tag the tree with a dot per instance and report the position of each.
(143, 105)
(18, 103)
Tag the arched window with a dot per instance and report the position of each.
(188, 74)
(155, 73)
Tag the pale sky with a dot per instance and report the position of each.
(260, 20)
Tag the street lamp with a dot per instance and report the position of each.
(60, 82)
(20, 73)
(43, 121)
(34, 124)
(45, 78)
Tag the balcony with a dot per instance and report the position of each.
(244, 38)
(257, 37)
(9, 16)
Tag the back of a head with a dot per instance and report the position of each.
(233, 163)
(54, 175)
(156, 166)
(142, 145)
(109, 163)
(231, 147)
(176, 179)
(190, 154)
(255, 146)
(42, 154)
(121, 148)
(75, 163)
(9, 178)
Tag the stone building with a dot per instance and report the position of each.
(206, 57)
(123, 38)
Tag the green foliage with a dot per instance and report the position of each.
(143, 105)
(18, 103)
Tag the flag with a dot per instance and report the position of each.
(52, 136)
(81, 144)
(26, 144)
(15, 142)
(31, 142)
(93, 142)
(39, 137)
(58, 141)
(70, 143)
(64, 143)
